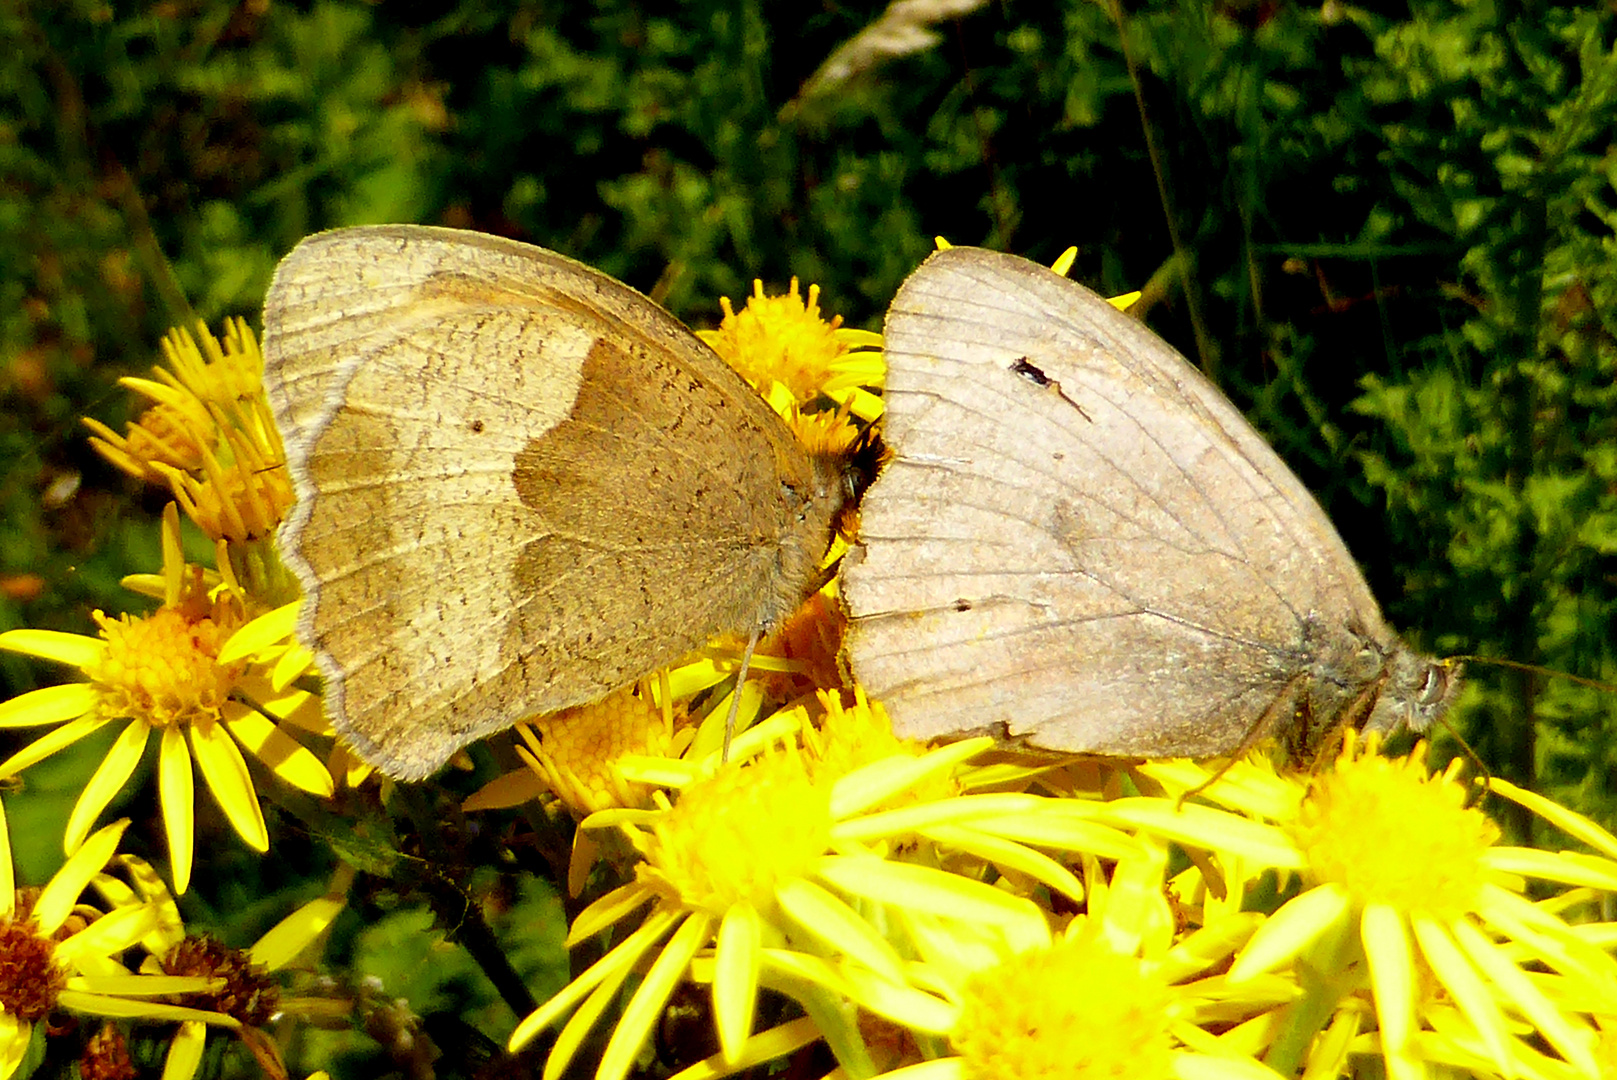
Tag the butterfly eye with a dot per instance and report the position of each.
(1434, 685)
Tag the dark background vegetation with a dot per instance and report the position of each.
(1386, 230)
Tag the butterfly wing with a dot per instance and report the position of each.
(520, 483)
(1079, 537)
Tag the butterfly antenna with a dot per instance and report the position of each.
(1484, 775)
(1517, 665)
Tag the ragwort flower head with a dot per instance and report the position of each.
(209, 436)
(791, 354)
(788, 869)
(61, 954)
(1387, 831)
(168, 675)
(208, 978)
(735, 838)
(575, 751)
(1411, 939)
(1078, 1010)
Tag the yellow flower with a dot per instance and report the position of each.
(1078, 1009)
(1436, 869)
(164, 674)
(575, 751)
(1412, 923)
(776, 870)
(60, 954)
(782, 340)
(233, 983)
(1123, 991)
(848, 738)
(209, 437)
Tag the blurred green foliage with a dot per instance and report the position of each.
(1388, 230)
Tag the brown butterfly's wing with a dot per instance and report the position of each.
(520, 483)
(1081, 539)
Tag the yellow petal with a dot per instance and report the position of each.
(1392, 976)
(899, 773)
(505, 791)
(271, 628)
(1215, 830)
(293, 664)
(803, 977)
(300, 707)
(14, 1038)
(281, 945)
(108, 1005)
(604, 912)
(1134, 915)
(1210, 946)
(1566, 867)
(1062, 824)
(614, 965)
(920, 888)
(111, 933)
(823, 915)
(158, 392)
(286, 757)
(1468, 990)
(92, 965)
(50, 742)
(173, 554)
(735, 978)
(8, 872)
(49, 705)
(1287, 932)
(227, 778)
(149, 886)
(1009, 855)
(1328, 1059)
(75, 650)
(107, 781)
(176, 789)
(1547, 937)
(580, 1025)
(858, 401)
(1568, 821)
(57, 898)
(352, 770)
(764, 1047)
(640, 1015)
(873, 784)
(1525, 996)
(185, 1051)
(154, 586)
(1213, 1067)
(950, 949)
(1250, 788)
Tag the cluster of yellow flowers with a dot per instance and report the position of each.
(924, 913)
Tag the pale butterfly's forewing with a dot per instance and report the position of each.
(520, 484)
(1080, 542)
